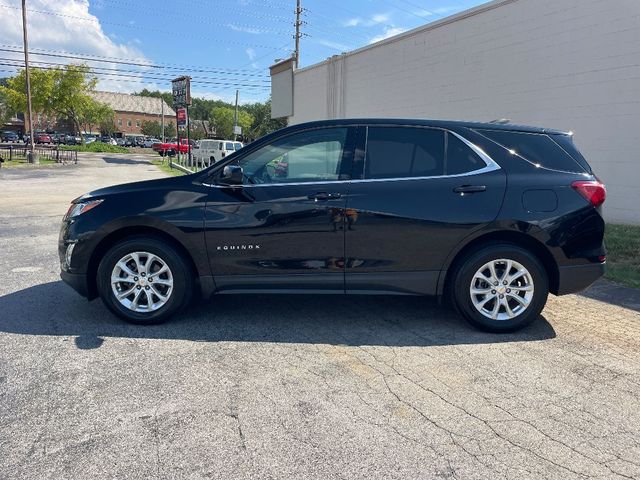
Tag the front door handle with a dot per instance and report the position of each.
(324, 196)
(470, 189)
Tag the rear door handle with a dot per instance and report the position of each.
(324, 196)
(470, 189)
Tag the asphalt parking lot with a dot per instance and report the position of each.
(296, 387)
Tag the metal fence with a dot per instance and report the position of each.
(186, 164)
(18, 153)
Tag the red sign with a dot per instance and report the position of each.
(181, 116)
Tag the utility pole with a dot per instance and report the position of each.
(31, 158)
(235, 118)
(298, 24)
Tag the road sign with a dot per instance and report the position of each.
(181, 90)
(237, 130)
(181, 117)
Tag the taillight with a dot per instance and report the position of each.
(592, 190)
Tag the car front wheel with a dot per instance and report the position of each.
(144, 280)
(500, 288)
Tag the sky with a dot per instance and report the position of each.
(223, 45)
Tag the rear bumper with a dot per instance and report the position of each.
(578, 277)
(78, 281)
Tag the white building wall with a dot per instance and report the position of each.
(567, 64)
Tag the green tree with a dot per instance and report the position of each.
(262, 121)
(222, 118)
(152, 128)
(62, 92)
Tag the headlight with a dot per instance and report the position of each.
(81, 207)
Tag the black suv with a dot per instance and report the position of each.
(492, 217)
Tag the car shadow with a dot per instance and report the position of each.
(124, 161)
(614, 294)
(54, 309)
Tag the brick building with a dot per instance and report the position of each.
(131, 111)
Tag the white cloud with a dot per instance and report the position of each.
(388, 32)
(443, 10)
(243, 29)
(251, 53)
(378, 18)
(340, 47)
(72, 29)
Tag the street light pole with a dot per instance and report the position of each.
(235, 118)
(162, 110)
(31, 158)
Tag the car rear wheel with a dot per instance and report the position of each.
(500, 288)
(144, 280)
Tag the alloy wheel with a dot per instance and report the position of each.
(142, 282)
(501, 289)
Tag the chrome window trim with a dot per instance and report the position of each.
(490, 166)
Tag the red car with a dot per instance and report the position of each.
(42, 138)
(171, 148)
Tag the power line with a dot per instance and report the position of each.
(164, 79)
(102, 59)
(168, 75)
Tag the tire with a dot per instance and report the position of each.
(478, 308)
(150, 308)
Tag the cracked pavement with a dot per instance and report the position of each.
(314, 387)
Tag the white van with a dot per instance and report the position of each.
(212, 151)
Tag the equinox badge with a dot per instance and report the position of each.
(237, 247)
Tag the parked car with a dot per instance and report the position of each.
(59, 138)
(9, 136)
(42, 138)
(108, 140)
(212, 151)
(89, 139)
(120, 142)
(171, 147)
(129, 142)
(148, 143)
(491, 217)
(72, 140)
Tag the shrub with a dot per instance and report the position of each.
(96, 147)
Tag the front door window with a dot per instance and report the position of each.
(313, 156)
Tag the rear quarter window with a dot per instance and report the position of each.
(460, 158)
(537, 148)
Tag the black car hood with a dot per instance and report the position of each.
(168, 183)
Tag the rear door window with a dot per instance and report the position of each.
(537, 148)
(399, 152)
(229, 146)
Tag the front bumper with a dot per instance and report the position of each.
(575, 278)
(78, 281)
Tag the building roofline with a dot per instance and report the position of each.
(485, 7)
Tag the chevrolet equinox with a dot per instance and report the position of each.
(491, 217)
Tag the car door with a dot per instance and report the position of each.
(417, 192)
(282, 228)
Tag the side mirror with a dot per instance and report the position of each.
(231, 175)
